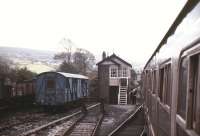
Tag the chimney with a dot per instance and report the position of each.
(103, 55)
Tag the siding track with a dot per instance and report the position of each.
(63, 124)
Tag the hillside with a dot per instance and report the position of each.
(35, 60)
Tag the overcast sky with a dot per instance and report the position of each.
(130, 28)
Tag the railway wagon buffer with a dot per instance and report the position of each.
(58, 88)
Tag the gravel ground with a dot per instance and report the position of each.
(23, 121)
(15, 123)
(115, 114)
(58, 129)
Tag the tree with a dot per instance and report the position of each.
(60, 56)
(68, 68)
(93, 84)
(67, 55)
(23, 74)
(133, 82)
(133, 74)
(4, 67)
(15, 74)
(83, 61)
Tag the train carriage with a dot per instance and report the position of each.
(171, 78)
(58, 88)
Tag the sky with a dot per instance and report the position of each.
(131, 29)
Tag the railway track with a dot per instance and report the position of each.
(134, 125)
(68, 124)
(87, 126)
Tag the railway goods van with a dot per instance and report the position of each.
(58, 88)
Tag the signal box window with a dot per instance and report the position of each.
(50, 84)
(182, 92)
(113, 72)
(124, 72)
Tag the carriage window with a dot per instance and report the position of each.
(154, 82)
(50, 84)
(161, 74)
(194, 93)
(167, 84)
(182, 92)
(150, 80)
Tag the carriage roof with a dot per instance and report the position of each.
(73, 75)
(68, 75)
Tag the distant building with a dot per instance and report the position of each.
(114, 74)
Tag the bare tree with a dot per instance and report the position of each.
(84, 60)
(67, 44)
(78, 61)
(4, 67)
(61, 56)
(68, 68)
(133, 82)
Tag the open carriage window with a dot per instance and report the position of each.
(161, 88)
(148, 80)
(154, 84)
(182, 92)
(189, 90)
(165, 84)
(193, 118)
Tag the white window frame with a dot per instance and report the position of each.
(120, 72)
(112, 75)
(191, 125)
(124, 72)
(190, 112)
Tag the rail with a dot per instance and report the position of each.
(89, 127)
(124, 122)
(97, 125)
(56, 121)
